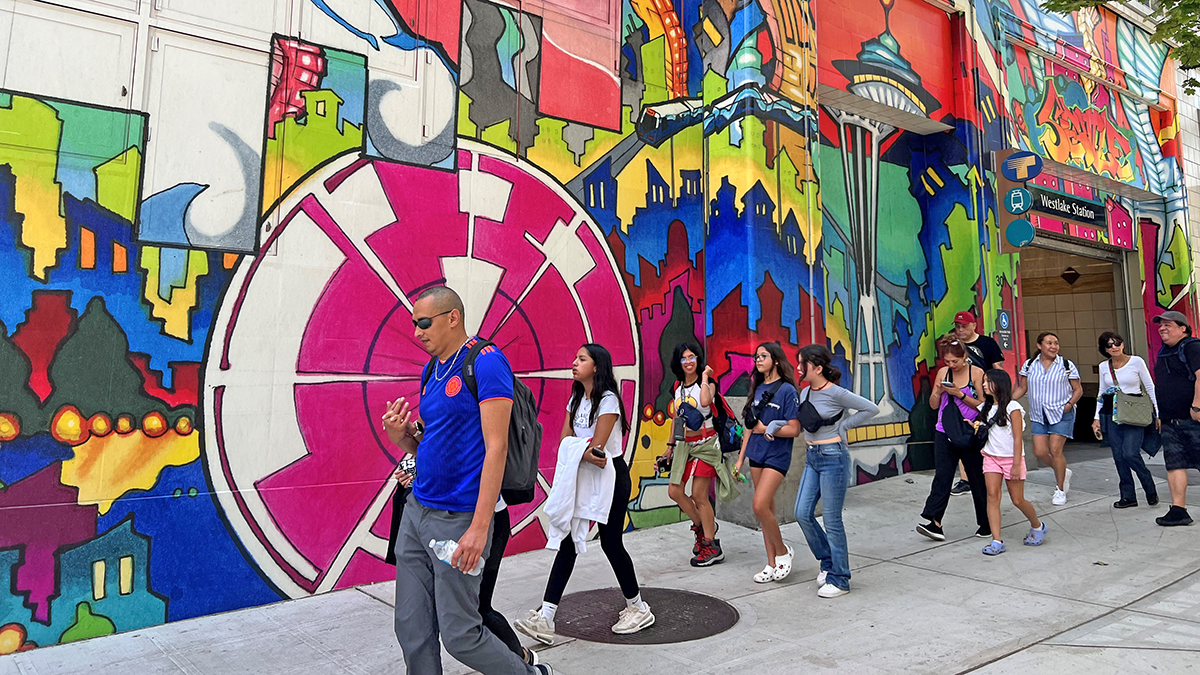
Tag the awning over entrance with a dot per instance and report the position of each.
(1101, 183)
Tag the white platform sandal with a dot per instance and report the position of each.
(766, 576)
(783, 564)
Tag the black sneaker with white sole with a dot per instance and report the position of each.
(983, 532)
(544, 669)
(932, 531)
(962, 487)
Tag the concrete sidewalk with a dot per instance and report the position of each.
(1109, 592)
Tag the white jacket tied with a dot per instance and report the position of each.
(582, 493)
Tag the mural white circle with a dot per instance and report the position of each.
(314, 336)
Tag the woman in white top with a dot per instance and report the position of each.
(1131, 376)
(1004, 458)
(597, 412)
(1052, 382)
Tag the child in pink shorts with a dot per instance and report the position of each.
(1004, 459)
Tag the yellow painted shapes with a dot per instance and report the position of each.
(104, 468)
(31, 132)
(118, 183)
(176, 311)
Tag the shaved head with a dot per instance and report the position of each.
(443, 298)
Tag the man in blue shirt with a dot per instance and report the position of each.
(461, 445)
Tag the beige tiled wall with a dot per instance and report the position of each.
(1078, 320)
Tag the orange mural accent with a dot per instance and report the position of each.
(10, 427)
(105, 468)
(69, 426)
(1084, 137)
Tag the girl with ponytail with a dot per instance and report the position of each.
(827, 471)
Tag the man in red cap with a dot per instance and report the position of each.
(984, 353)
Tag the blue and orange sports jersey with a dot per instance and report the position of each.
(450, 457)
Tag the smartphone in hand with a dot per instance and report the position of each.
(597, 453)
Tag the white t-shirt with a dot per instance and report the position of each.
(609, 405)
(1000, 438)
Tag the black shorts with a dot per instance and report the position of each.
(760, 465)
(1181, 444)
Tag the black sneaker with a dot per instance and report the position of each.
(1125, 504)
(932, 531)
(962, 487)
(1152, 500)
(984, 532)
(1175, 516)
(544, 669)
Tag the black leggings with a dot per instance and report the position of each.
(945, 464)
(501, 531)
(610, 542)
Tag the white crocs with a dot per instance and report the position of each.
(766, 576)
(783, 564)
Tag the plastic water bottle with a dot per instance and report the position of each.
(444, 550)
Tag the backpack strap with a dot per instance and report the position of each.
(468, 367)
(426, 373)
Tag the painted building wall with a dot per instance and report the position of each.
(214, 217)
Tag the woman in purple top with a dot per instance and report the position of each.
(960, 384)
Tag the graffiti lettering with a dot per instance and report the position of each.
(1084, 138)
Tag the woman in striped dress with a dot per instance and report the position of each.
(1052, 383)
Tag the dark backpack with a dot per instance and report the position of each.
(524, 431)
(725, 422)
(958, 430)
(1181, 351)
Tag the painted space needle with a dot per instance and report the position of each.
(882, 75)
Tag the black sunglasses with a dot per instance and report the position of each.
(426, 321)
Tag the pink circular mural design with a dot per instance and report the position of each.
(314, 336)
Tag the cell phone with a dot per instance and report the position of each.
(597, 453)
(948, 384)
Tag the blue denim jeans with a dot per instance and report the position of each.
(826, 477)
(1127, 455)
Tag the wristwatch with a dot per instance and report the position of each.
(420, 431)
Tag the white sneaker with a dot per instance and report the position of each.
(1060, 498)
(633, 619)
(537, 627)
(1067, 482)
(821, 577)
(831, 591)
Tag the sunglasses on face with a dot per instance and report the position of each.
(1114, 344)
(761, 357)
(426, 321)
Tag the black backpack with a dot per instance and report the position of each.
(524, 430)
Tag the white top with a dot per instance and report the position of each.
(1049, 390)
(609, 405)
(686, 394)
(1130, 378)
(1000, 438)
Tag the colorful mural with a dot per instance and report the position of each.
(203, 356)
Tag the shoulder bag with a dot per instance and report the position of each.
(1135, 410)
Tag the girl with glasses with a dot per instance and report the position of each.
(694, 396)
(771, 424)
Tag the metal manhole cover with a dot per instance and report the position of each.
(679, 616)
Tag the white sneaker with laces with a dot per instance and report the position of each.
(821, 577)
(1067, 482)
(1060, 498)
(831, 591)
(537, 627)
(633, 619)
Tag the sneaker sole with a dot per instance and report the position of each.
(540, 637)
(932, 535)
(646, 623)
(1180, 523)
(710, 562)
(830, 597)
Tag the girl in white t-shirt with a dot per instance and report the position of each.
(596, 412)
(1004, 458)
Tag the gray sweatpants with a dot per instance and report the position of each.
(432, 596)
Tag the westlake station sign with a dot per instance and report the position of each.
(1068, 207)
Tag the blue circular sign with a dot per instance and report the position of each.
(1004, 321)
(1021, 166)
(1018, 201)
(1019, 233)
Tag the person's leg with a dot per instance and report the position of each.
(1016, 492)
(456, 597)
(1041, 449)
(560, 572)
(678, 494)
(492, 619)
(993, 481)
(611, 533)
(835, 467)
(1137, 464)
(944, 461)
(962, 473)
(1177, 481)
(806, 509)
(973, 463)
(704, 507)
(416, 621)
(766, 483)
(1121, 438)
(1058, 460)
